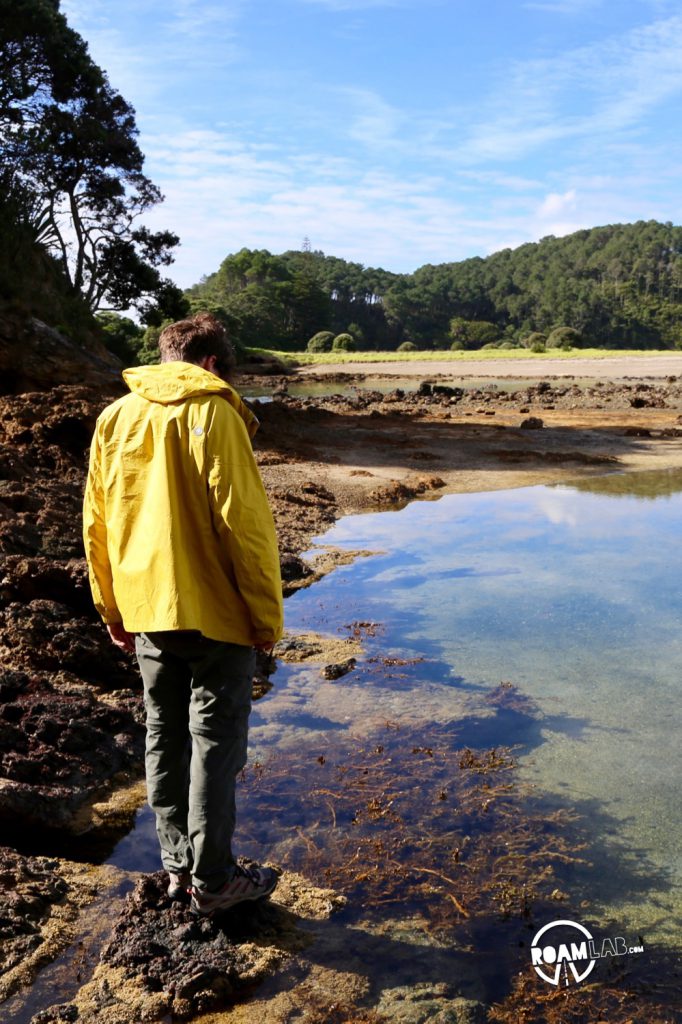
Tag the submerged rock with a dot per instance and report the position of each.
(341, 668)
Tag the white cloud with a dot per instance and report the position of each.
(554, 203)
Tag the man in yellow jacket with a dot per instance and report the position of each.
(184, 570)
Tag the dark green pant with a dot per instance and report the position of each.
(197, 695)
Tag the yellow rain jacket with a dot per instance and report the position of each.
(177, 527)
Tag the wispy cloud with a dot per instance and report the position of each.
(262, 151)
(355, 5)
(563, 6)
(586, 93)
(194, 17)
(226, 195)
(374, 122)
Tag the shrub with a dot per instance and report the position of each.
(490, 344)
(343, 343)
(407, 346)
(507, 345)
(538, 346)
(457, 346)
(534, 338)
(321, 342)
(564, 337)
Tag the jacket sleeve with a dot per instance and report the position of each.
(244, 522)
(95, 538)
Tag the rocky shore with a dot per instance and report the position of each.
(71, 722)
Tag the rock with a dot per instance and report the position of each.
(57, 1014)
(532, 423)
(340, 668)
(34, 356)
(161, 959)
(293, 568)
(403, 490)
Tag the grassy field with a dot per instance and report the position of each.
(500, 355)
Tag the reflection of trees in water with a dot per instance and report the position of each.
(649, 484)
(429, 823)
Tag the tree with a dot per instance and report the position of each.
(473, 333)
(70, 139)
(122, 336)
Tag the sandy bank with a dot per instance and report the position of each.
(600, 369)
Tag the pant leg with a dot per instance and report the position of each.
(222, 680)
(167, 688)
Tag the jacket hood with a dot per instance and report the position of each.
(170, 382)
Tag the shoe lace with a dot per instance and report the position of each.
(250, 873)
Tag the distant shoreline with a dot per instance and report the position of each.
(610, 367)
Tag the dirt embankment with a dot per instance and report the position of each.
(71, 731)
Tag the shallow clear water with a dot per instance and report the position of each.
(570, 592)
(574, 596)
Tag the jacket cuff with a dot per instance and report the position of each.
(110, 616)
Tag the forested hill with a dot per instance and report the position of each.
(619, 285)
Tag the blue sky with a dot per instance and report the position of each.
(395, 132)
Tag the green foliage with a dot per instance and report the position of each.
(31, 282)
(457, 346)
(473, 333)
(321, 342)
(70, 141)
(534, 338)
(356, 331)
(564, 337)
(269, 302)
(344, 343)
(620, 284)
(148, 351)
(122, 336)
(407, 346)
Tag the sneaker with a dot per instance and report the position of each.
(252, 883)
(179, 885)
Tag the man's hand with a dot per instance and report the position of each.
(121, 637)
(265, 648)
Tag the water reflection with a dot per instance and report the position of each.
(569, 593)
(652, 484)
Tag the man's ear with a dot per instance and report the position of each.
(208, 363)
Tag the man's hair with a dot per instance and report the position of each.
(199, 336)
